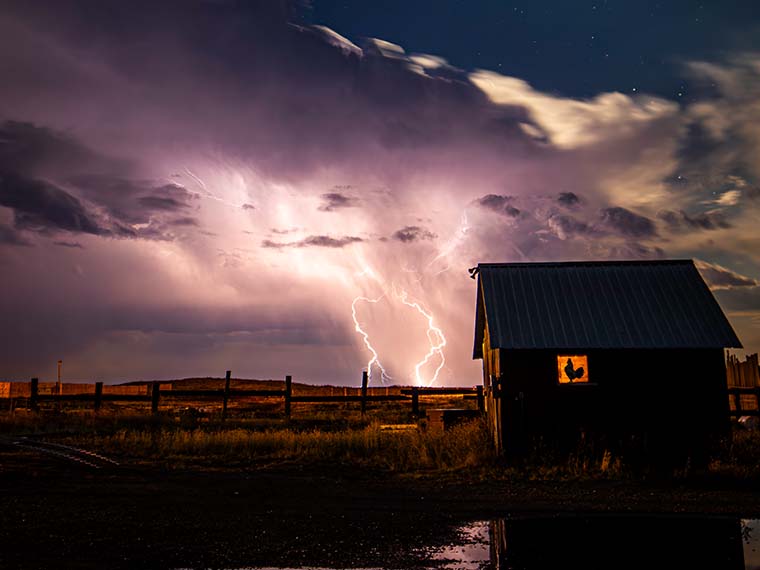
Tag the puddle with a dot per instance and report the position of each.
(751, 540)
(588, 542)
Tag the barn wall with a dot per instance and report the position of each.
(659, 402)
(491, 375)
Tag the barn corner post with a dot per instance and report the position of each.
(288, 394)
(226, 394)
(480, 398)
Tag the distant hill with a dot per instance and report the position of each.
(253, 384)
(210, 383)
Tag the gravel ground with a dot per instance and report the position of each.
(60, 514)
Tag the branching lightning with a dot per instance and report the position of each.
(206, 192)
(453, 243)
(375, 360)
(435, 337)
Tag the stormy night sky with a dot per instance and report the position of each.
(193, 186)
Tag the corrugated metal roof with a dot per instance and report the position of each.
(606, 304)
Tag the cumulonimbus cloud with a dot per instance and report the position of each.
(281, 167)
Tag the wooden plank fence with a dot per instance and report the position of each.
(743, 385)
(35, 392)
(739, 399)
(743, 374)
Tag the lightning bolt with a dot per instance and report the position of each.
(454, 242)
(206, 192)
(375, 360)
(435, 337)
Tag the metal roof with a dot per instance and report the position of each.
(605, 304)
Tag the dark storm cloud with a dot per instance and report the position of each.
(719, 277)
(741, 299)
(627, 223)
(132, 201)
(314, 241)
(411, 234)
(567, 226)
(40, 206)
(681, 221)
(265, 112)
(161, 203)
(499, 204)
(26, 147)
(52, 182)
(635, 250)
(336, 200)
(253, 64)
(568, 199)
(69, 244)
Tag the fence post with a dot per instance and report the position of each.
(288, 394)
(155, 395)
(415, 401)
(365, 380)
(98, 395)
(226, 394)
(481, 400)
(34, 392)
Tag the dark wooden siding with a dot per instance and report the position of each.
(657, 401)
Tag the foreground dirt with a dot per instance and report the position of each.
(54, 513)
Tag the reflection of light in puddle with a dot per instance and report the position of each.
(751, 540)
(472, 551)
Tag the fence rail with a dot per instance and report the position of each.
(739, 409)
(741, 398)
(157, 391)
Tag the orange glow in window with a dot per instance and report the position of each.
(572, 368)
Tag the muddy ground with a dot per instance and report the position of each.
(58, 514)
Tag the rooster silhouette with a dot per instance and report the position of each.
(571, 372)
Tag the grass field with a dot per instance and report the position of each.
(190, 432)
(324, 439)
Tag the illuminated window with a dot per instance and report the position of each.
(572, 368)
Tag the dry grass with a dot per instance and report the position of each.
(739, 457)
(400, 451)
(349, 439)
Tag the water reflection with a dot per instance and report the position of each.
(591, 542)
(618, 542)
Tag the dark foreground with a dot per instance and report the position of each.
(57, 514)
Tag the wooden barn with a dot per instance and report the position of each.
(627, 355)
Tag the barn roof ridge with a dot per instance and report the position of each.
(638, 304)
(589, 263)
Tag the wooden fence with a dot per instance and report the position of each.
(35, 392)
(742, 374)
(743, 385)
(744, 401)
